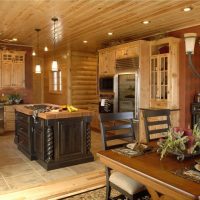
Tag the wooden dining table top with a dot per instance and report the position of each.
(155, 173)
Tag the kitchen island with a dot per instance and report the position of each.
(55, 138)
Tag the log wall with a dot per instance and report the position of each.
(83, 79)
(79, 79)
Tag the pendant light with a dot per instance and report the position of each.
(54, 66)
(38, 67)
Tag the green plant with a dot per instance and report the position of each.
(14, 96)
(180, 142)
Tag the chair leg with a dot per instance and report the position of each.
(108, 191)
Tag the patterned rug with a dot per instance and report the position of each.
(99, 194)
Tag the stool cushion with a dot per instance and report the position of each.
(125, 183)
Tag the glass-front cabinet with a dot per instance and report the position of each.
(164, 73)
(159, 77)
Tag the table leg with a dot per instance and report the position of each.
(156, 196)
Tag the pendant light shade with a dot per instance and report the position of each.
(54, 66)
(190, 39)
(38, 67)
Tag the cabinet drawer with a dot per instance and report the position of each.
(9, 109)
(9, 126)
(20, 117)
(158, 103)
(22, 127)
(23, 142)
(9, 116)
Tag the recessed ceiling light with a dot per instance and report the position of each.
(146, 22)
(110, 33)
(14, 39)
(187, 9)
(46, 48)
(85, 41)
(33, 53)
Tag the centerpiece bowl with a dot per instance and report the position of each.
(183, 143)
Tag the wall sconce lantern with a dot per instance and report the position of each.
(190, 39)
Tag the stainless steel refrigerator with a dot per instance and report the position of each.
(126, 93)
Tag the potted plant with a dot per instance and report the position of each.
(14, 98)
(180, 142)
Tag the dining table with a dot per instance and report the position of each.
(160, 177)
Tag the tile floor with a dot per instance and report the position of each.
(18, 172)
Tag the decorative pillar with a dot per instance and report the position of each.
(88, 138)
(49, 144)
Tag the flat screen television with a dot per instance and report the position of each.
(106, 84)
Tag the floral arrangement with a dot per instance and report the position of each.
(14, 98)
(181, 142)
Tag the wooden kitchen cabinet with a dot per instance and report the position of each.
(6, 68)
(9, 118)
(19, 70)
(13, 69)
(164, 73)
(127, 51)
(107, 62)
(24, 134)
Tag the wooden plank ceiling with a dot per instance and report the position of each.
(91, 20)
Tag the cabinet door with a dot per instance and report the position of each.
(7, 62)
(9, 118)
(102, 63)
(72, 139)
(164, 76)
(18, 71)
(127, 52)
(154, 77)
(159, 80)
(107, 62)
(39, 144)
(6, 74)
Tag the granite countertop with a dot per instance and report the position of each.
(54, 114)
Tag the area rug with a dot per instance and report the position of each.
(100, 194)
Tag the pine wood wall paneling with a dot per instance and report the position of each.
(93, 19)
(83, 79)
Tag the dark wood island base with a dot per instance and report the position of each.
(54, 139)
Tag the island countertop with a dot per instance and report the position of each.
(54, 114)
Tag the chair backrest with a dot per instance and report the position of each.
(116, 126)
(156, 122)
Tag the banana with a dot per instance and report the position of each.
(73, 108)
(69, 108)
